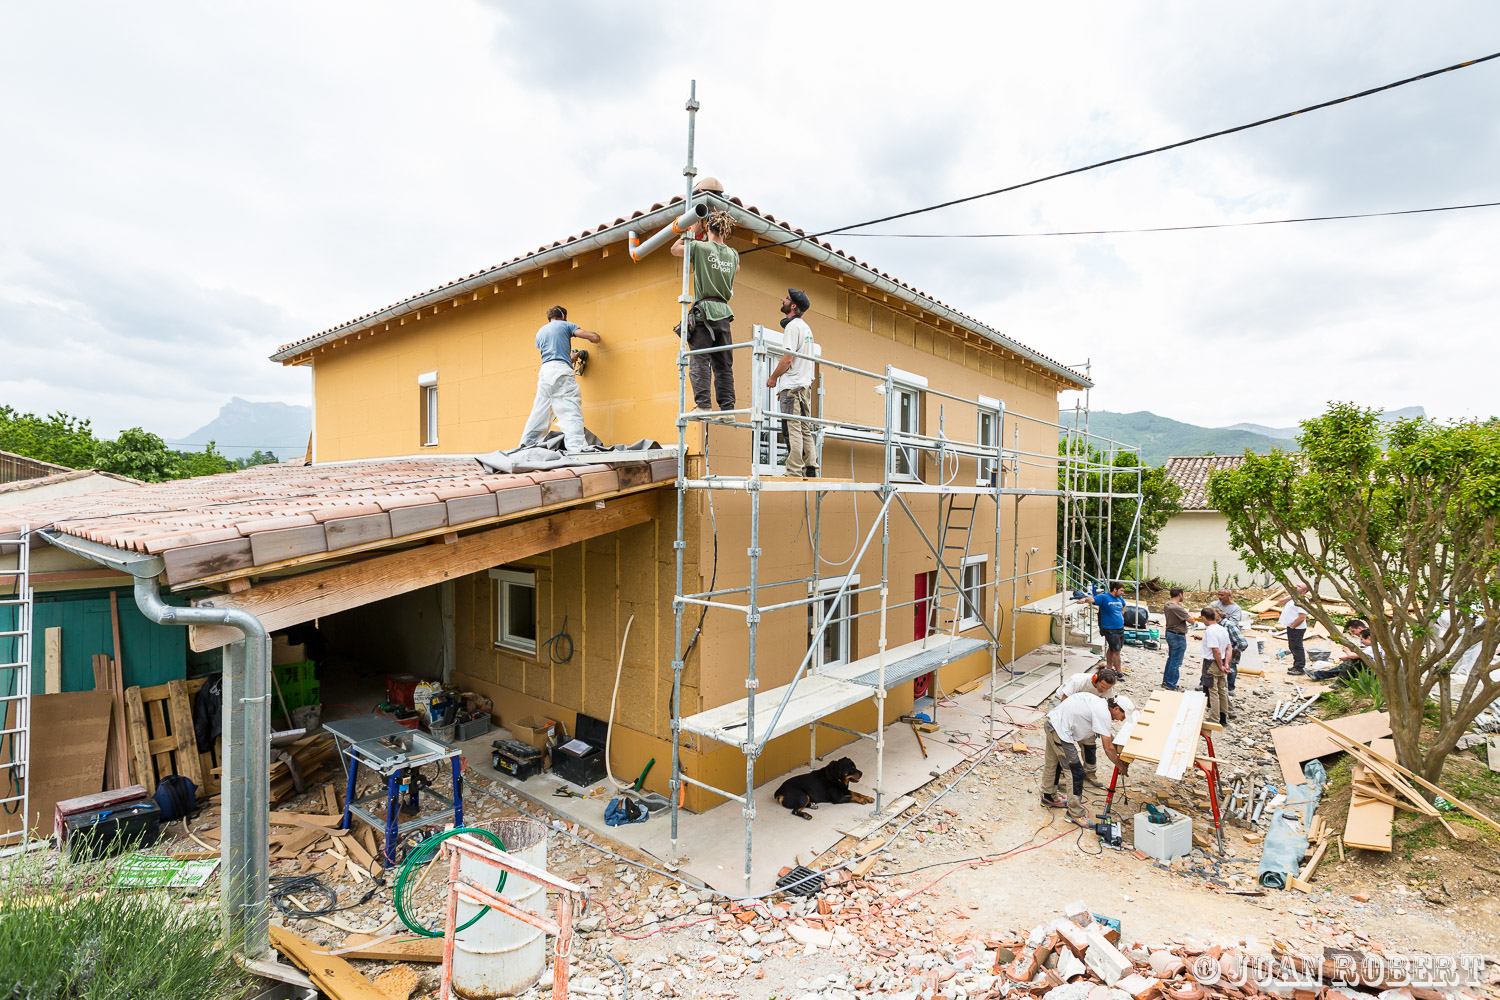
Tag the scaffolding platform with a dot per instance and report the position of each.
(821, 695)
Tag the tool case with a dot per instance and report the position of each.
(101, 832)
(517, 759)
(581, 759)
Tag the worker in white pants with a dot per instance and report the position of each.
(557, 392)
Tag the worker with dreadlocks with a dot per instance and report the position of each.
(714, 264)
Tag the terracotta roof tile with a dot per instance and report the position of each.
(1191, 473)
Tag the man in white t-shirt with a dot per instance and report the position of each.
(1080, 717)
(1217, 653)
(1101, 682)
(792, 380)
(1294, 620)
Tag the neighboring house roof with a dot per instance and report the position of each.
(213, 526)
(1191, 472)
(15, 467)
(65, 477)
(647, 222)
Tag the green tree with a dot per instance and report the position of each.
(257, 457)
(138, 454)
(1399, 521)
(207, 462)
(1093, 538)
(57, 438)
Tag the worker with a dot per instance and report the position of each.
(1214, 680)
(557, 385)
(1294, 619)
(1101, 682)
(713, 266)
(1235, 620)
(1111, 623)
(1179, 620)
(1080, 717)
(792, 380)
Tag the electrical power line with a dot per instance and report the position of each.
(1133, 156)
(1171, 229)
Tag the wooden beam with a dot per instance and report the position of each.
(297, 599)
(52, 679)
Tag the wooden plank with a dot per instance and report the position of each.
(345, 532)
(287, 543)
(370, 948)
(196, 562)
(140, 758)
(288, 818)
(1369, 822)
(52, 661)
(292, 844)
(188, 764)
(285, 602)
(161, 752)
(114, 625)
(122, 738)
(1295, 745)
(331, 973)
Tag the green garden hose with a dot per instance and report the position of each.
(419, 856)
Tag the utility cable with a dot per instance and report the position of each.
(1171, 229)
(1133, 156)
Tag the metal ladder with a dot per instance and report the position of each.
(15, 684)
(956, 517)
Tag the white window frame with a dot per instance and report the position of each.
(505, 638)
(842, 629)
(910, 384)
(427, 383)
(770, 402)
(974, 593)
(988, 467)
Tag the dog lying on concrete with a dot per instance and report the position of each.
(829, 783)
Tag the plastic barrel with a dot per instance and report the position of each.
(500, 956)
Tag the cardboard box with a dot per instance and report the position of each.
(286, 652)
(533, 730)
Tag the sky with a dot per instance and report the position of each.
(188, 186)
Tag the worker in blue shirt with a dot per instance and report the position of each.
(1111, 622)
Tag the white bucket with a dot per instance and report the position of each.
(500, 956)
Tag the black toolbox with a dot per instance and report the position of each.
(581, 759)
(102, 832)
(517, 759)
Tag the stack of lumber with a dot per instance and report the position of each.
(315, 756)
(297, 835)
(1268, 608)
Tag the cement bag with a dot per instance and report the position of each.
(1286, 838)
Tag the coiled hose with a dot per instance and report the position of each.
(419, 856)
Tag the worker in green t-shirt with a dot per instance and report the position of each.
(714, 264)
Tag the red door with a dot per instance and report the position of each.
(923, 586)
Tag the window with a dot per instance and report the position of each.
(987, 437)
(427, 410)
(515, 602)
(906, 412)
(973, 579)
(834, 648)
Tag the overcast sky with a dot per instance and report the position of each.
(188, 186)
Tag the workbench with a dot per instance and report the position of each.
(1166, 732)
(397, 754)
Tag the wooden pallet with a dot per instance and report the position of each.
(159, 722)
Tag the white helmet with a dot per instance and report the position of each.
(1125, 704)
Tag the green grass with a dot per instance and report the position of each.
(65, 937)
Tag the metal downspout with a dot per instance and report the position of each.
(245, 786)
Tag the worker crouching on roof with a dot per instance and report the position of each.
(713, 265)
(1080, 717)
(1102, 683)
(792, 379)
(557, 385)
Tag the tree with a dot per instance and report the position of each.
(257, 457)
(58, 438)
(138, 454)
(207, 462)
(1399, 521)
(1089, 542)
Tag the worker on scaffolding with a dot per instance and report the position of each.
(557, 384)
(792, 379)
(1080, 718)
(1102, 683)
(714, 264)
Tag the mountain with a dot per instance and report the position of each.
(243, 427)
(1159, 438)
(1290, 433)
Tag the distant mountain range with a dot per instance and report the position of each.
(243, 427)
(1160, 438)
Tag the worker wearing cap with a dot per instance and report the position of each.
(792, 379)
(557, 384)
(1101, 682)
(713, 264)
(1079, 717)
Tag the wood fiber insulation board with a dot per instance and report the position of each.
(1183, 735)
(1148, 739)
(1369, 823)
(1295, 745)
(69, 735)
(413, 949)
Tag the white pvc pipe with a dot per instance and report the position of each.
(680, 225)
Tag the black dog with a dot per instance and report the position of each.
(829, 783)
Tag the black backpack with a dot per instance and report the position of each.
(176, 796)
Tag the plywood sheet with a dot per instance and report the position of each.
(1295, 745)
(1369, 823)
(69, 736)
(1148, 738)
